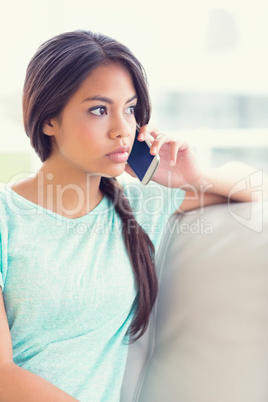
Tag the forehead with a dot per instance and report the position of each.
(110, 80)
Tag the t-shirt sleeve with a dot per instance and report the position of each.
(152, 205)
(1, 282)
(1, 265)
(3, 242)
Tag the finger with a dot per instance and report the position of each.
(175, 148)
(183, 145)
(159, 140)
(147, 131)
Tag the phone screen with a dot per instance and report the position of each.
(140, 158)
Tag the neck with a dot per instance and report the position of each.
(67, 191)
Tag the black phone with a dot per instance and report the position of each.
(141, 161)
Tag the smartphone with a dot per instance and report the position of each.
(141, 161)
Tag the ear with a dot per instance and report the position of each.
(49, 127)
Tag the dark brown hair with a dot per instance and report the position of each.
(54, 74)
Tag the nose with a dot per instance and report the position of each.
(116, 133)
(119, 127)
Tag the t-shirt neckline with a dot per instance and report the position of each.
(98, 208)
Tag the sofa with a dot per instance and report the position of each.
(207, 339)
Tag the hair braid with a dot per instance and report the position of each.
(141, 252)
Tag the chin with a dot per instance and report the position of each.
(112, 173)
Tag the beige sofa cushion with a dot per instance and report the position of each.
(208, 335)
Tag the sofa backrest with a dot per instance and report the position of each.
(208, 335)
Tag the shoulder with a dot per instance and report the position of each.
(152, 199)
(152, 205)
(9, 208)
(3, 197)
(25, 188)
(4, 213)
(132, 186)
(5, 210)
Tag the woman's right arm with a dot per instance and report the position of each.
(17, 384)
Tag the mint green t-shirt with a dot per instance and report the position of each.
(68, 287)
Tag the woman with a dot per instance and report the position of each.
(77, 248)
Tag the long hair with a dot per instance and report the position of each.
(54, 74)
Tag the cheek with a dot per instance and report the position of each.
(133, 137)
(90, 137)
(81, 129)
(91, 127)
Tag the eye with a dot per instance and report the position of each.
(98, 110)
(131, 110)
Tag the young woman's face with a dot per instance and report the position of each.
(96, 122)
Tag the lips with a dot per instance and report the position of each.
(119, 155)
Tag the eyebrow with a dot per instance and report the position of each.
(106, 100)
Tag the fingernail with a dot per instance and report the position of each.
(171, 163)
(141, 137)
(153, 150)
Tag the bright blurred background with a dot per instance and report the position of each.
(206, 62)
